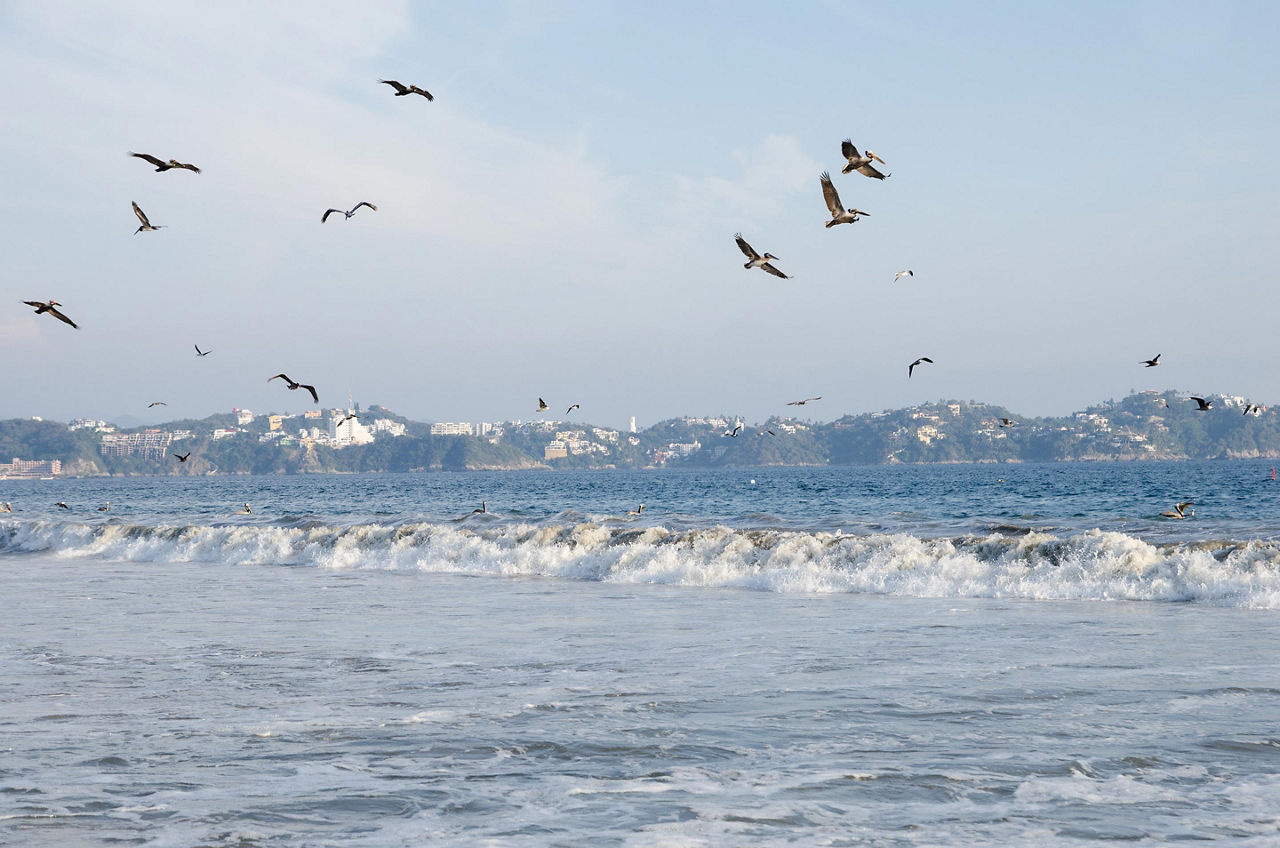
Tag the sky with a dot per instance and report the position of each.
(1077, 187)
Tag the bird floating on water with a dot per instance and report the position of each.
(636, 511)
(165, 166)
(913, 365)
(901, 274)
(1180, 511)
(51, 308)
(200, 352)
(1202, 405)
(183, 457)
(296, 385)
(6, 507)
(1151, 363)
(106, 507)
(839, 215)
(349, 212)
(756, 260)
(803, 402)
(245, 511)
(402, 90)
(483, 508)
(860, 163)
(147, 226)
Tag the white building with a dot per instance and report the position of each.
(452, 428)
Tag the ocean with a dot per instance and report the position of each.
(940, 655)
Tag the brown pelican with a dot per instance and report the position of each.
(839, 215)
(542, 405)
(165, 166)
(348, 417)
(62, 504)
(732, 433)
(636, 511)
(6, 507)
(245, 511)
(156, 403)
(295, 385)
(1005, 422)
(349, 212)
(1251, 407)
(147, 226)
(106, 507)
(861, 164)
(1180, 511)
(50, 308)
(571, 409)
(913, 365)
(1202, 405)
(483, 508)
(183, 457)
(901, 274)
(755, 260)
(402, 90)
(803, 402)
(1151, 363)
(200, 352)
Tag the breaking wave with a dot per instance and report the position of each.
(1092, 565)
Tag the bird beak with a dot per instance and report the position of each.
(875, 157)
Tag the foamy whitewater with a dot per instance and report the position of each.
(968, 655)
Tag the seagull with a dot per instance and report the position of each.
(901, 274)
(245, 511)
(636, 511)
(732, 433)
(1180, 511)
(570, 409)
(838, 214)
(913, 365)
(50, 308)
(200, 352)
(803, 402)
(755, 260)
(183, 457)
(484, 507)
(542, 405)
(1202, 404)
(402, 90)
(106, 507)
(156, 403)
(146, 225)
(348, 213)
(1005, 422)
(860, 163)
(1151, 363)
(62, 504)
(165, 166)
(293, 385)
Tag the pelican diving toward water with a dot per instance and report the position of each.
(147, 226)
(296, 385)
(349, 212)
(839, 215)
(50, 308)
(1180, 511)
(860, 163)
(402, 90)
(913, 365)
(165, 166)
(755, 260)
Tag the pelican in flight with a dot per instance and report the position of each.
(542, 405)
(50, 308)
(349, 212)
(296, 385)
(106, 507)
(62, 504)
(1251, 407)
(156, 403)
(636, 511)
(165, 166)
(147, 226)
(1202, 405)
(245, 511)
(1151, 363)
(732, 433)
(755, 260)
(803, 402)
(200, 352)
(1180, 511)
(839, 215)
(183, 457)
(1006, 422)
(571, 409)
(901, 274)
(402, 90)
(913, 365)
(348, 417)
(860, 163)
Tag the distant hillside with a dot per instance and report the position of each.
(1148, 425)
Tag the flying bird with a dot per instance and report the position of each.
(734, 432)
(402, 90)
(1202, 405)
(200, 352)
(348, 417)
(1251, 407)
(803, 402)
(183, 457)
(901, 274)
(349, 212)
(156, 403)
(1180, 511)
(755, 260)
(636, 511)
(165, 166)
(50, 308)
(542, 405)
(839, 215)
(913, 365)
(1006, 422)
(571, 409)
(146, 225)
(62, 504)
(296, 385)
(770, 432)
(1151, 363)
(860, 163)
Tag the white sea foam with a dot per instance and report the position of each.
(1094, 565)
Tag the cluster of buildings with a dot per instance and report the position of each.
(28, 468)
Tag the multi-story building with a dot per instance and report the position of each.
(452, 428)
(150, 444)
(31, 468)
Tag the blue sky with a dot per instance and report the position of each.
(1077, 188)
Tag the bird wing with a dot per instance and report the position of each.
(284, 377)
(315, 397)
(327, 213)
(869, 170)
(364, 203)
(542, 404)
(397, 86)
(34, 303)
(925, 359)
(902, 274)
(747, 250)
(848, 150)
(148, 157)
(831, 195)
(142, 216)
(774, 271)
(64, 319)
(1183, 505)
(421, 91)
(186, 165)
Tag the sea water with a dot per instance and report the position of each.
(960, 655)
